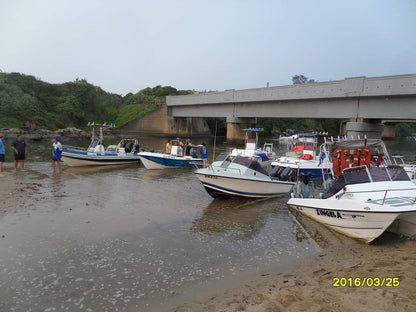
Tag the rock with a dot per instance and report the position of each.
(37, 134)
(72, 132)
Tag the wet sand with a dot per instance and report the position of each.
(130, 239)
(307, 284)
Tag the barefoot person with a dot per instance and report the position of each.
(2, 153)
(20, 150)
(168, 147)
(204, 154)
(56, 153)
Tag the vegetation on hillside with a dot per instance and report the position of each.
(144, 101)
(26, 100)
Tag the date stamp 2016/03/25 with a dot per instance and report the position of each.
(365, 282)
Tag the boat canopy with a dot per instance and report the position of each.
(253, 129)
(363, 174)
(353, 144)
(250, 163)
(307, 135)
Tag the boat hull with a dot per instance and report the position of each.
(357, 223)
(78, 160)
(165, 161)
(222, 187)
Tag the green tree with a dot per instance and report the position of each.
(301, 79)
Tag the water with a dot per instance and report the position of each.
(131, 239)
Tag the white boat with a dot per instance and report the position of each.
(251, 146)
(301, 159)
(243, 176)
(366, 200)
(97, 155)
(175, 159)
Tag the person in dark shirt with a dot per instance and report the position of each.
(2, 153)
(20, 150)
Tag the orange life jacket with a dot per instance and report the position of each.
(345, 159)
(365, 157)
(336, 161)
(355, 158)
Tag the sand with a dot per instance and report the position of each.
(307, 284)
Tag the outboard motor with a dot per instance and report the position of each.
(274, 171)
(129, 147)
(285, 173)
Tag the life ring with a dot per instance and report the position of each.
(306, 156)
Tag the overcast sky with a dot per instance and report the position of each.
(125, 46)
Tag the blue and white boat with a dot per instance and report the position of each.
(243, 177)
(175, 159)
(97, 155)
(301, 159)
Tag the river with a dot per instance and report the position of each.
(131, 239)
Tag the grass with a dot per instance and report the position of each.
(133, 111)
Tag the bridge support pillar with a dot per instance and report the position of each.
(235, 126)
(389, 132)
(372, 129)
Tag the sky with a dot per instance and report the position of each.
(124, 46)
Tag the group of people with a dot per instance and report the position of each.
(19, 148)
(189, 149)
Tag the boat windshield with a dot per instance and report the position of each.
(221, 157)
(250, 163)
(361, 174)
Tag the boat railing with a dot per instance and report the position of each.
(385, 193)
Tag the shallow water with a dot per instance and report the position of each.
(130, 239)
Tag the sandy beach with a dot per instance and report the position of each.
(307, 284)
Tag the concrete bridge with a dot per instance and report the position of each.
(360, 101)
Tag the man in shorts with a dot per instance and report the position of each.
(20, 150)
(56, 153)
(2, 153)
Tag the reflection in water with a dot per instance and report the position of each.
(234, 214)
(87, 170)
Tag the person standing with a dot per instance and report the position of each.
(204, 154)
(20, 151)
(56, 153)
(168, 147)
(2, 153)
